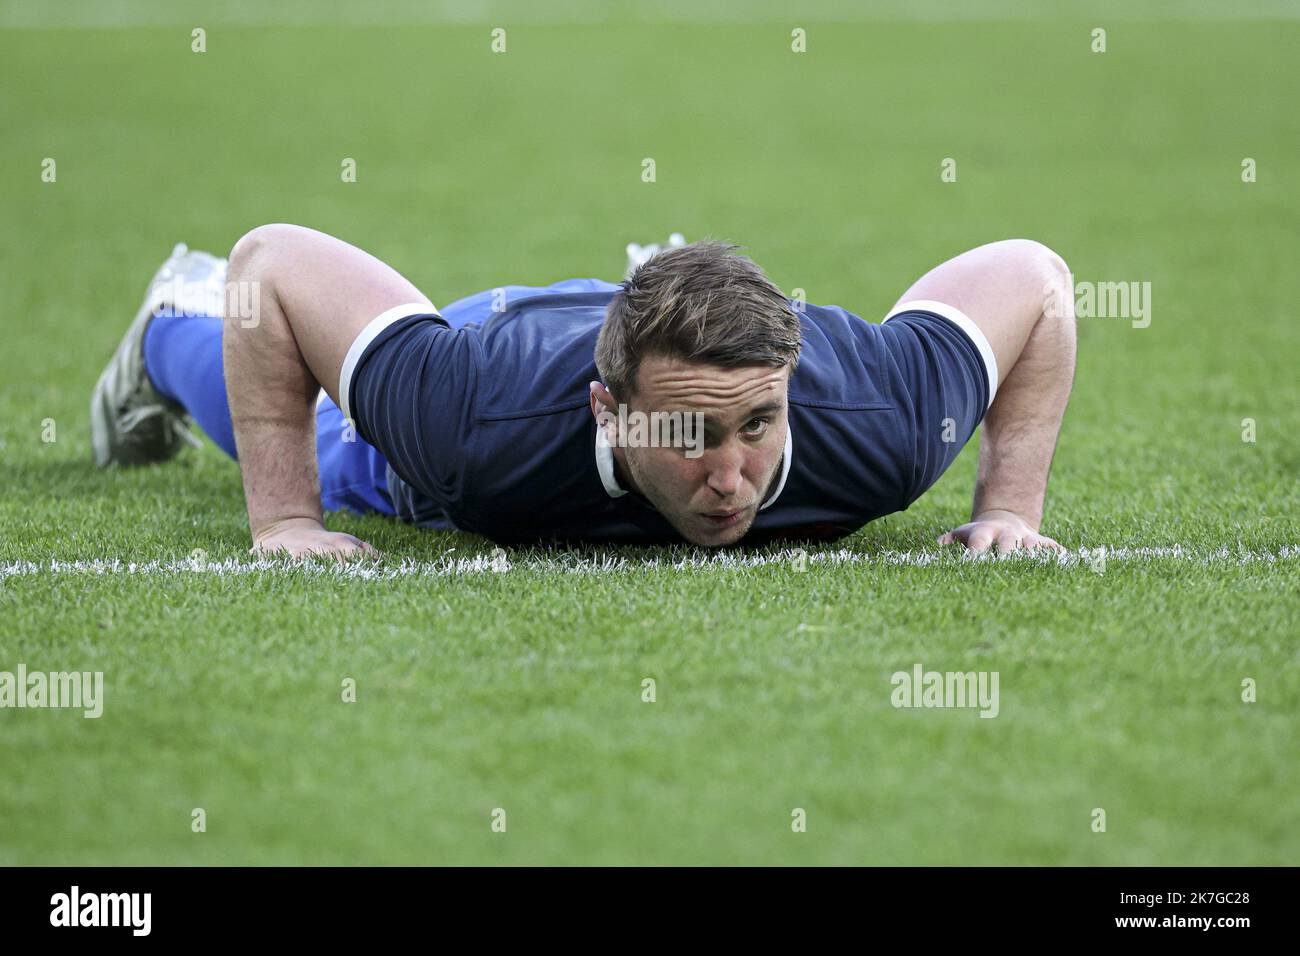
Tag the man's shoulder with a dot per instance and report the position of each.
(538, 354)
(842, 363)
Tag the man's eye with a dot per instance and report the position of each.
(755, 426)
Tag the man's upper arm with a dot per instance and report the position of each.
(329, 292)
(1002, 287)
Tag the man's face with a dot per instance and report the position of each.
(710, 491)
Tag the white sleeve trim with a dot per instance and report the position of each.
(963, 322)
(368, 335)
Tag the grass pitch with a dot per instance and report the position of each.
(519, 685)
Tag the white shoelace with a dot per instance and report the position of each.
(131, 419)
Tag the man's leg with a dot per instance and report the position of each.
(353, 473)
(182, 357)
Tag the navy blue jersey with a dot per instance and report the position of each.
(483, 416)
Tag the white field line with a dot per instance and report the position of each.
(500, 562)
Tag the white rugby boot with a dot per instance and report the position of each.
(130, 422)
(638, 255)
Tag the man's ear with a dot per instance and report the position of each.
(604, 409)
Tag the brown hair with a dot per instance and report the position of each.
(704, 302)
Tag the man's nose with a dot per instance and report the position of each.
(724, 470)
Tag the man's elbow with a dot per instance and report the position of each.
(1040, 263)
(253, 252)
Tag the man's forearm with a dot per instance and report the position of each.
(1022, 425)
(272, 395)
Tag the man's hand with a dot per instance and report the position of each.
(303, 537)
(1008, 531)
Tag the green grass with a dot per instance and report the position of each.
(522, 689)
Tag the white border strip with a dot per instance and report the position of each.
(501, 560)
(963, 322)
(366, 336)
(128, 14)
